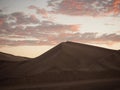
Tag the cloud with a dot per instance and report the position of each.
(2, 19)
(50, 34)
(108, 39)
(22, 18)
(85, 7)
(40, 11)
(46, 32)
(17, 20)
(116, 7)
(18, 28)
(0, 10)
(16, 31)
(1, 22)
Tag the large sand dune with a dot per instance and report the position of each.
(68, 66)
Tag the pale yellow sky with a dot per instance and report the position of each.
(27, 51)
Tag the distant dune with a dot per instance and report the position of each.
(9, 57)
(67, 66)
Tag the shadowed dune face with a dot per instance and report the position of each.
(9, 57)
(74, 56)
(119, 51)
(76, 63)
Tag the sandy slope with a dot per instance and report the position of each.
(68, 66)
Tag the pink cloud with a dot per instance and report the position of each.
(40, 11)
(1, 22)
(33, 17)
(84, 7)
(22, 18)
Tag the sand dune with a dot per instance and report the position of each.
(67, 66)
(9, 57)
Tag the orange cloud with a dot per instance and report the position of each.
(75, 27)
(116, 7)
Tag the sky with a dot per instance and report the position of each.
(31, 27)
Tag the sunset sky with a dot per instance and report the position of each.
(31, 27)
